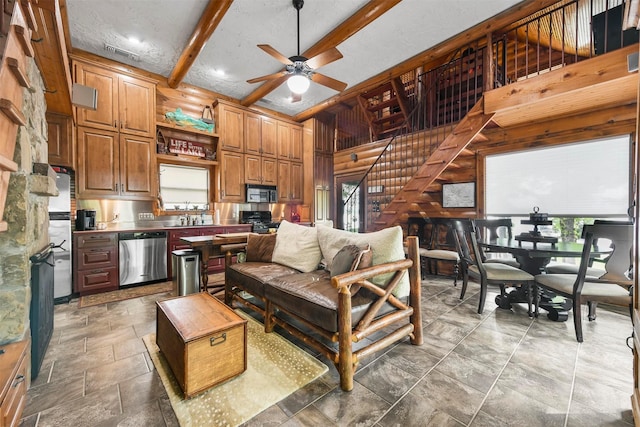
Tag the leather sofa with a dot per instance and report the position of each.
(346, 316)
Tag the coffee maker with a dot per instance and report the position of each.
(85, 220)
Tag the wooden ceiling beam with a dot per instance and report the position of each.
(211, 17)
(434, 56)
(363, 17)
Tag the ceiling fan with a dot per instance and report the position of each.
(299, 71)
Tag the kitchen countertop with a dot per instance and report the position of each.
(132, 228)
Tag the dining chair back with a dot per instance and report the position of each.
(502, 275)
(566, 268)
(611, 285)
(491, 229)
(442, 247)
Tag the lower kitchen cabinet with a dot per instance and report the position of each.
(13, 382)
(96, 262)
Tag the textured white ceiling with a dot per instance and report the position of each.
(164, 26)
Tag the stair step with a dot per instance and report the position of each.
(377, 91)
(390, 117)
(392, 102)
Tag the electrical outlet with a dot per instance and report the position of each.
(146, 216)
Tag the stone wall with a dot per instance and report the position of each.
(26, 213)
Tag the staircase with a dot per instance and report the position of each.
(386, 109)
(407, 202)
(429, 122)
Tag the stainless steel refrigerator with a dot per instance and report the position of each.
(60, 236)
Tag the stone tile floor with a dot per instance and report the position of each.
(500, 368)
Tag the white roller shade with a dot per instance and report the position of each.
(588, 179)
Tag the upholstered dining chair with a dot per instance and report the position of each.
(441, 248)
(502, 275)
(612, 284)
(491, 229)
(566, 268)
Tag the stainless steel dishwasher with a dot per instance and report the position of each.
(142, 257)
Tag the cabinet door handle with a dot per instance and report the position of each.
(97, 271)
(116, 187)
(115, 123)
(18, 380)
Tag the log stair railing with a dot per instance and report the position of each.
(407, 201)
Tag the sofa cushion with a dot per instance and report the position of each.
(386, 246)
(297, 247)
(252, 275)
(311, 297)
(260, 247)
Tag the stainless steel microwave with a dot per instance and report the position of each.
(261, 194)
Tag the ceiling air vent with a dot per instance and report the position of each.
(122, 52)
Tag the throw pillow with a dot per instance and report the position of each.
(351, 258)
(260, 247)
(386, 246)
(297, 247)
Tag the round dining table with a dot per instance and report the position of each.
(533, 257)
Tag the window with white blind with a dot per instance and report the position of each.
(585, 179)
(184, 187)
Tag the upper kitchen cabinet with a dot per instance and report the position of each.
(125, 103)
(114, 165)
(60, 140)
(230, 123)
(260, 135)
(232, 177)
(289, 141)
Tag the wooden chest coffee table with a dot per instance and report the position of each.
(203, 340)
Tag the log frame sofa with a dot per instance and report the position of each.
(335, 314)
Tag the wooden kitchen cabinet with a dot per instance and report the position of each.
(125, 103)
(289, 141)
(260, 170)
(290, 181)
(95, 262)
(114, 165)
(231, 177)
(230, 126)
(13, 382)
(60, 140)
(260, 135)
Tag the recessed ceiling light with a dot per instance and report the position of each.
(134, 40)
(218, 71)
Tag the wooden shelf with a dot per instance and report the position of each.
(169, 125)
(189, 159)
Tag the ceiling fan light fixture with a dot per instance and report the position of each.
(298, 83)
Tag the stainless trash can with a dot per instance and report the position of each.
(186, 271)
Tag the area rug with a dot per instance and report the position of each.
(124, 294)
(275, 369)
(137, 291)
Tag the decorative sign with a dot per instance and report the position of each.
(181, 146)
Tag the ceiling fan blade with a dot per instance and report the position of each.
(328, 82)
(271, 51)
(268, 77)
(324, 58)
(295, 97)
